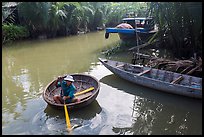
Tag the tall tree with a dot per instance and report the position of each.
(35, 16)
(57, 17)
(180, 25)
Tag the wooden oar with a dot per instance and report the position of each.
(66, 111)
(84, 91)
(67, 118)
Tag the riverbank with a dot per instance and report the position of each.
(156, 56)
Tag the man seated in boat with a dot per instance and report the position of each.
(124, 26)
(67, 92)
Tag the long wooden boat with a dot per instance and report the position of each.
(162, 80)
(82, 82)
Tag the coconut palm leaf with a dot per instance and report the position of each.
(34, 15)
(178, 22)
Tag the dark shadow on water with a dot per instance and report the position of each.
(85, 121)
(150, 94)
(52, 121)
(85, 113)
(155, 112)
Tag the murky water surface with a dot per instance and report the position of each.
(120, 108)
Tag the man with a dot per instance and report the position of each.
(124, 26)
(67, 92)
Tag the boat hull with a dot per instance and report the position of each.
(132, 37)
(81, 82)
(129, 35)
(156, 83)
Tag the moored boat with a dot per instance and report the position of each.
(87, 89)
(145, 28)
(162, 80)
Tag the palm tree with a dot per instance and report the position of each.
(87, 17)
(74, 14)
(116, 11)
(180, 25)
(93, 14)
(35, 16)
(57, 17)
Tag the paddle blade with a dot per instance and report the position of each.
(67, 118)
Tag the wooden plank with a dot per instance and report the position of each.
(120, 65)
(144, 56)
(143, 72)
(191, 71)
(177, 80)
(139, 46)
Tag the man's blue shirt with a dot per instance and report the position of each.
(67, 90)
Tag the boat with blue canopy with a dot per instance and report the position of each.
(132, 29)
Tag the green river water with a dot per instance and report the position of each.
(121, 108)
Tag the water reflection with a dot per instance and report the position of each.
(154, 112)
(86, 112)
(89, 120)
(17, 89)
(150, 94)
(28, 66)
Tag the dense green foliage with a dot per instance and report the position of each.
(179, 23)
(180, 26)
(51, 19)
(12, 32)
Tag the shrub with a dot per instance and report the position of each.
(12, 32)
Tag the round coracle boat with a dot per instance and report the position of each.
(87, 89)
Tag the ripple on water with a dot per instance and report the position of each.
(44, 124)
